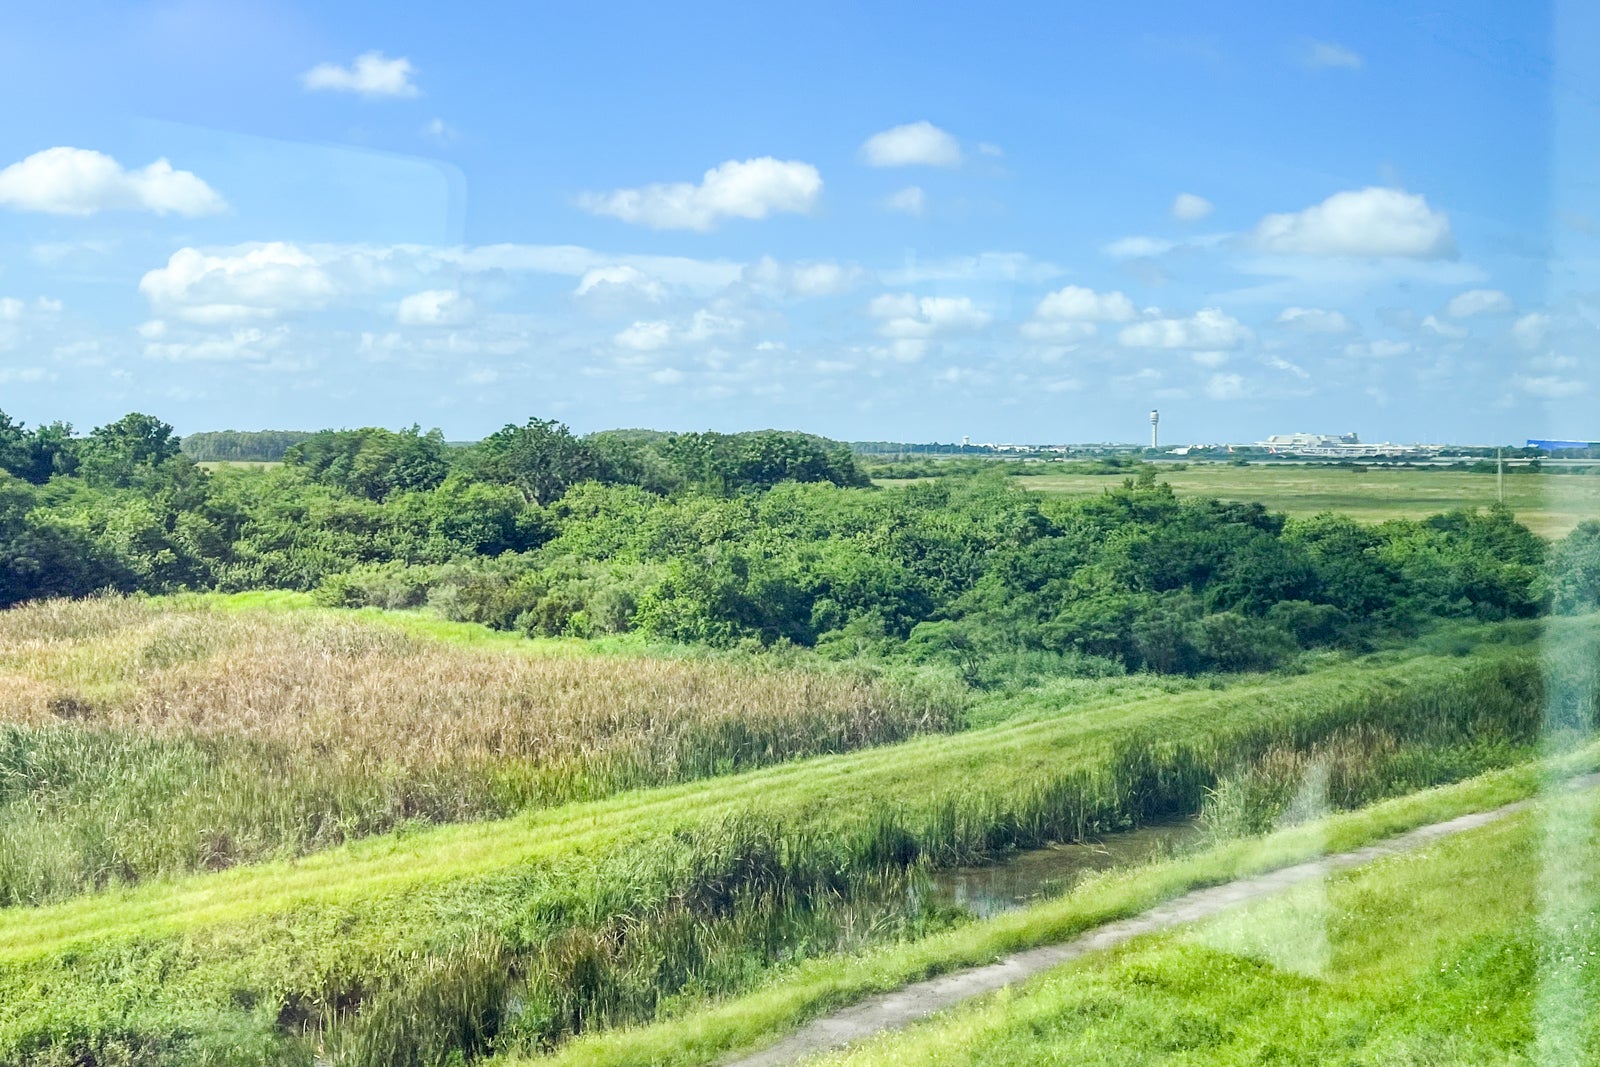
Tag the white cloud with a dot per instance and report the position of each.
(79, 181)
(15, 310)
(1314, 320)
(1529, 331)
(666, 376)
(435, 307)
(439, 131)
(1279, 363)
(752, 189)
(251, 282)
(1210, 359)
(1187, 207)
(371, 75)
(1478, 302)
(1326, 55)
(239, 344)
(1550, 387)
(705, 325)
(1138, 247)
(1433, 324)
(1379, 349)
(807, 278)
(985, 148)
(1074, 303)
(1364, 222)
(620, 279)
(645, 336)
(908, 317)
(1225, 387)
(908, 201)
(914, 144)
(1210, 328)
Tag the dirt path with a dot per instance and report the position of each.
(891, 1011)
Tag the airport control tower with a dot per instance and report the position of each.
(1155, 436)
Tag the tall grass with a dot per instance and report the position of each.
(140, 739)
(616, 910)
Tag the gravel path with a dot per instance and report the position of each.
(891, 1011)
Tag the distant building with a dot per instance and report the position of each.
(1327, 445)
(1560, 446)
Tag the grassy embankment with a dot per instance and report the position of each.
(520, 932)
(1480, 950)
(147, 738)
(1548, 504)
(709, 1034)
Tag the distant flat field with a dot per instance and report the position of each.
(1550, 504)
(258, 464)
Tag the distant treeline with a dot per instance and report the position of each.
(768, 538)
(257, 446)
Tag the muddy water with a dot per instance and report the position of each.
(1025, 877)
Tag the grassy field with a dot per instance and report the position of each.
(700, 1037)
(142, 738)
(597, 913)
(1480, 950)
(1549, 504)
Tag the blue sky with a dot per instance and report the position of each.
(1019, 223)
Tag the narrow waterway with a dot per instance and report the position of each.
(1024, 877)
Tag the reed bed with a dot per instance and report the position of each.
(141, 739)
(613, 911)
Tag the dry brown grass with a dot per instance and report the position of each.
(141, 738)
(321, 683)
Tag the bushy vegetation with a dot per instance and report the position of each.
(602, 912)
(768, 538)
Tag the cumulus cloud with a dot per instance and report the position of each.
(908, 201)
(807, 278)
(908, 317)
(914, 144)
(1210, 328)
(1314, 320)
(1371, 222)
(1529, 331)
(645, 336)
(435, 307)
(1076, 303)
(371, 75)
(1071, 312)
(1478, 302)
(79, 181)
(620, 279)
(752, 189)
(1187, 207)
(252, 282)
(1325, 55)
(705, 325)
